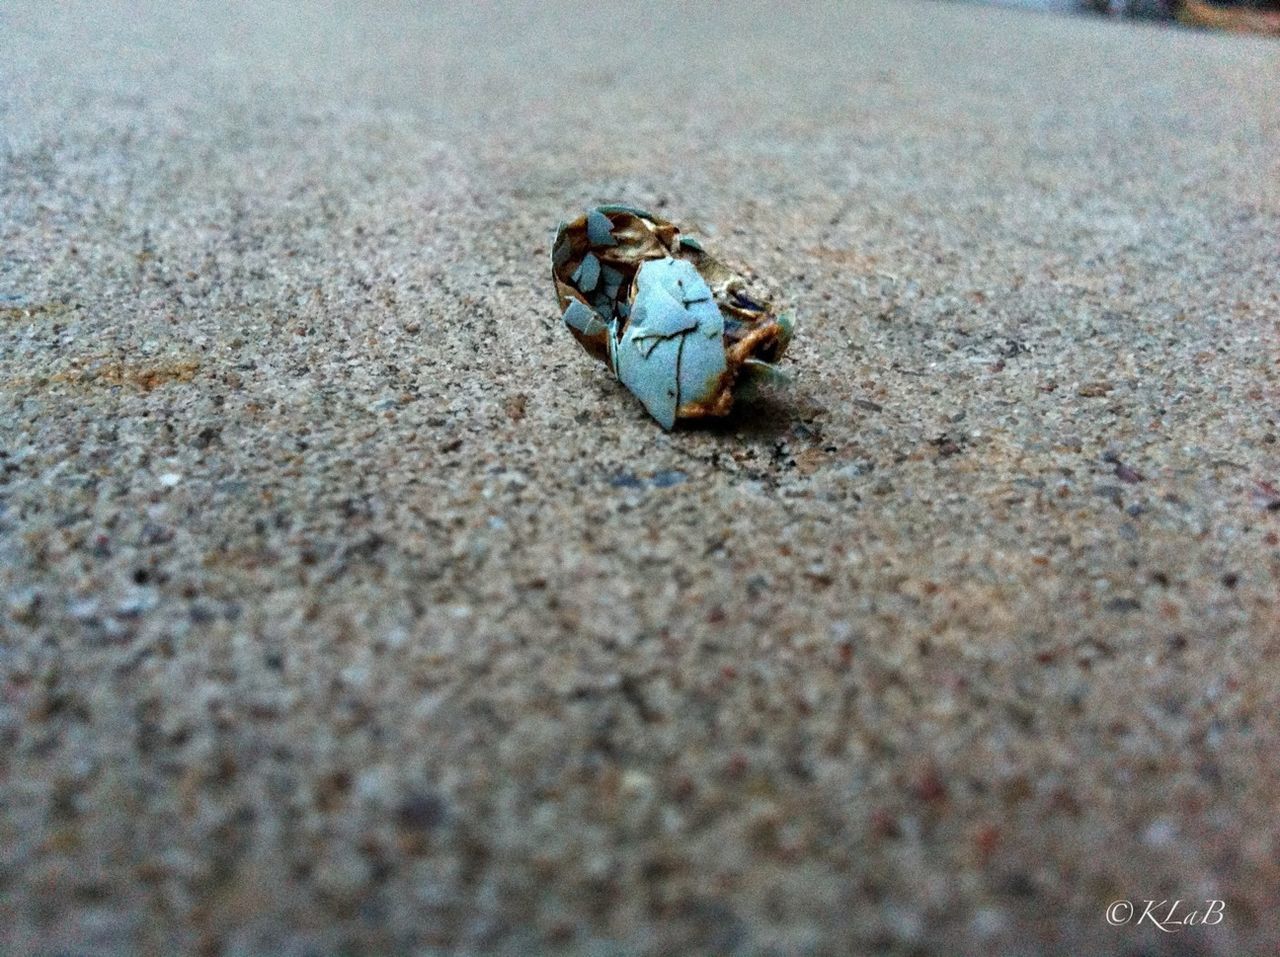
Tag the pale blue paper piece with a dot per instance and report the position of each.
(599, 229)
(584, 319)
(587, 274)
(672, 350)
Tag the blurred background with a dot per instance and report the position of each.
(1253, 16)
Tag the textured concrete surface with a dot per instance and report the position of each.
(348, 607)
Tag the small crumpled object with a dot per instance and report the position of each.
(676, 325)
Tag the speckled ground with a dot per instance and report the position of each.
(348, 607)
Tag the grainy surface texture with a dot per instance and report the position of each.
(348, 607)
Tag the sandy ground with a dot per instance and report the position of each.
(348, 607)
